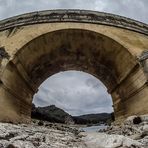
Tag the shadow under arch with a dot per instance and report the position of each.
(65, 41)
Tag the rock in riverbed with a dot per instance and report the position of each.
(132, 133)
(102, 140)
(34, 136)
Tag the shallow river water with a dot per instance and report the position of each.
(94, 128)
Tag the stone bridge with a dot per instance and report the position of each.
(37, 45)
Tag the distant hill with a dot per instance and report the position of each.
(51, 113)
(93, 118)
(54, 114)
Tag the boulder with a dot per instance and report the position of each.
(129, 120)
(21, 144)
(145, 128)
(133, 120)
(97, 140)
(144, 118)
(135, 136)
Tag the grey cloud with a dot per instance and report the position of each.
(136, 9)
(72, 92)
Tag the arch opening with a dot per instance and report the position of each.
(75, 92)
(71, 85)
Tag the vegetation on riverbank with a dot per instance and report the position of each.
(56, 115)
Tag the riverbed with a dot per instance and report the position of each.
(50, 135)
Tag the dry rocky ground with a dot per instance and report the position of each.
(40, 135)
(132, 133)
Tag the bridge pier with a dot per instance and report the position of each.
(15, 96)
(130, 96)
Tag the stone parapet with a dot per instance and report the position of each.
(83, 16)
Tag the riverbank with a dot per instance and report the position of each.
(132, 133)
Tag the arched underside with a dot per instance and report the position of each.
(75, 49)
(38, 51)
(71, 49)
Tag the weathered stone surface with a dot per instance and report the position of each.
(144, 118)
(34, 136)
(130, 131)
(86, 16)
(97, 140)
(129, 120)
(61, 136)
(103, 45)
(145, 128)
(21, 144)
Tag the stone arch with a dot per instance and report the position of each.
(73, 48)
(61, 46)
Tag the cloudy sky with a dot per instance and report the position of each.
(136, 9)
(76, 92)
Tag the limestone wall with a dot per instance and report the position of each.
(27, 42)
